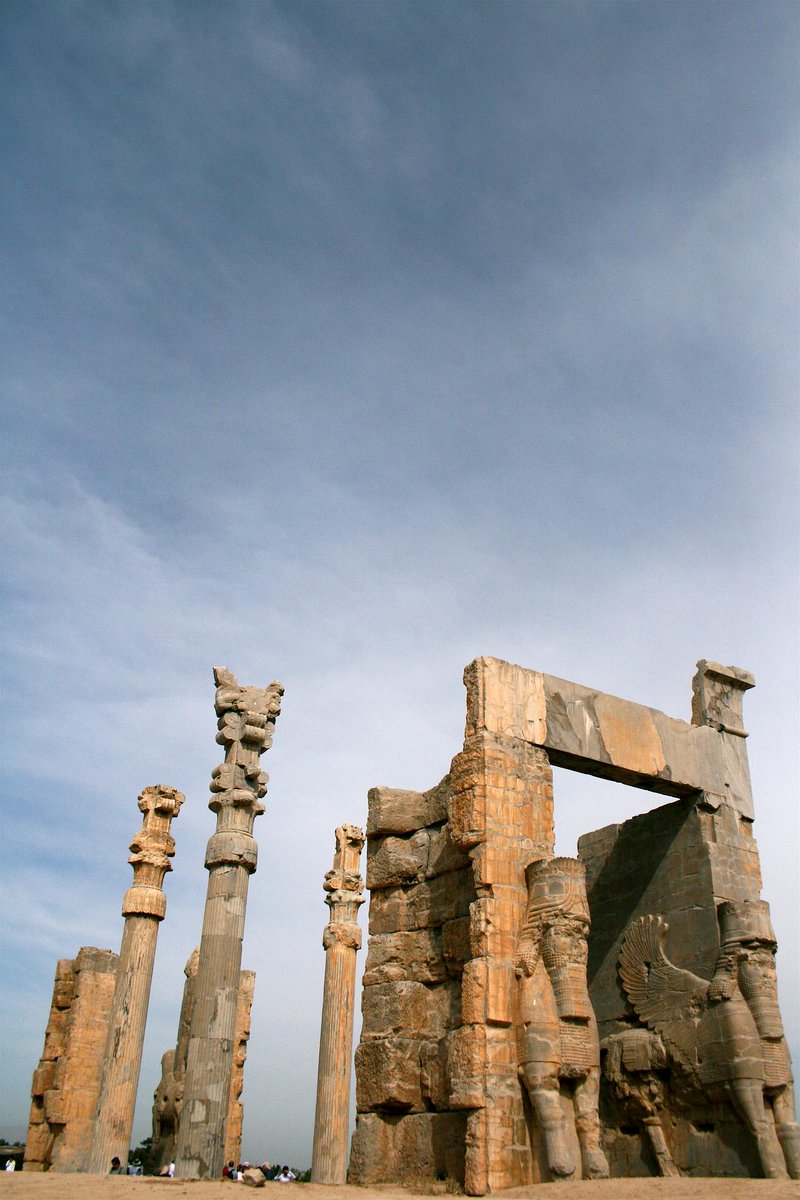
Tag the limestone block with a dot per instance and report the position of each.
(433, 1074)
(476, 1160)
(62, 1113)
(474, 986)
(444, 855)
(455, 945)
(423, 1146)
(388, 1074)
(502, 789)
(394, 810)
(414, 955)
(392, 861)
(466, 1066)
(622, 740)
(421, 906)
(254, 1177)
(407, 1008)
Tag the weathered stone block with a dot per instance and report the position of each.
(421, 1146)
(394, 810)
(444, 855)
(474, 986)
(455, 945)
(416, 955)
(421, 906)
(388, 1074)
(407, 1008)
(393, 861)
(433, 1074)
(466, 1066)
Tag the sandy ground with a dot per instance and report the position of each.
(19, 1185)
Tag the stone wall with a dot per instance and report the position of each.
(67, 1080)
(438, 1094)
(679, 862)
(698, 1078)
(420, 891)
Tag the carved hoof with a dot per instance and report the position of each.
(560, 1163)
(595, 1165)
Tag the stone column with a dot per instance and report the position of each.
(246, 724)
(341, 939)
(143, 908)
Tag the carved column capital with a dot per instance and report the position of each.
(341, 933)
(151, 849)
(245, 726)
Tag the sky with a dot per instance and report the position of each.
(343, 343)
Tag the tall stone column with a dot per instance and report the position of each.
(341, 939)
(246, 725)
(143, 908)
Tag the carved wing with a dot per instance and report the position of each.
(665, 997)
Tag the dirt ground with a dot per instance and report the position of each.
(20, 1185)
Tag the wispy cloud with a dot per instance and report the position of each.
(347, 343)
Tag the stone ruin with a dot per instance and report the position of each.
(526, 1017)
(529, 1018)
(168, 1096)
(66, 1082)
(84, 1088)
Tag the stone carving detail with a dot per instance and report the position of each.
(143, 907)
(746, 926)
(709, 1031)
(636, 1061)
(246, 719)
(246, 724)
(557, 1030)
(437, 1071)
(341, 940)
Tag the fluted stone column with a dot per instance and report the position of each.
(246, 725)
(143, 908)
(341, 939)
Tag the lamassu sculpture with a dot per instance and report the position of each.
(558, 1032)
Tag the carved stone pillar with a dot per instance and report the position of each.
(143, 908)
(246, 724)
(341, 939)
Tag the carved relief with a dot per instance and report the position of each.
(710, 1033)
(246, 725)
(746, 925)
(557, 1030)
(635, 1064)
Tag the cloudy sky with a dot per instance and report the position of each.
(343, 343)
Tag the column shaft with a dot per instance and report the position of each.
(246, 721)
(341, 940)
(201, 1138)
(117, 1100)
(144, 907)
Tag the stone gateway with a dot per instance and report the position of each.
(528, 1018)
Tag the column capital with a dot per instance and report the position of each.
(245, 726)
(151, 849)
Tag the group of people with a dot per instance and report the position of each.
(277, 1174)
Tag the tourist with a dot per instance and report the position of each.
(286, 1176)
(116, 1166)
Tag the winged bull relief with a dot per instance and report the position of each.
(721, 1037)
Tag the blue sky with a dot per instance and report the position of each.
(342, 343)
